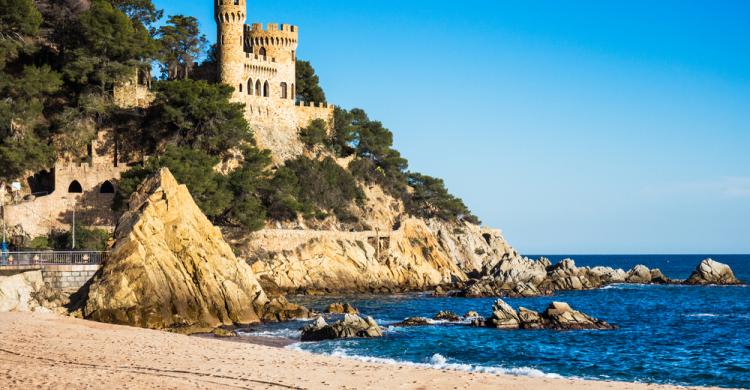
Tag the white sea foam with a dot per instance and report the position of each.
(437, 361)
(703, 315)
(282, 333)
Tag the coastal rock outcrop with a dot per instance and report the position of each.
(447, 315)
(170, 268)
(712, 272)
(350, 327)
(558, 316)
(315, 262)
(414, 321)
(341, 308)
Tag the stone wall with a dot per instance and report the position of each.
(59, 277)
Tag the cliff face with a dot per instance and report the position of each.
(171, 268)
(419, 255)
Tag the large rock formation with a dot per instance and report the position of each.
(351, 326)
(171, 268)
(312, 262)
(712, 272)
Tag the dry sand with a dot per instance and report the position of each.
(48, 351)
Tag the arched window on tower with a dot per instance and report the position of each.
(107, 188)
(258, 88)
(266, 89)
(240, 87)
(75, 187)
(262, 52)
(250, 86)
(284, 92)
(293, 92)
(236, 2)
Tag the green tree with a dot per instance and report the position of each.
(106, 47)
(19, 21)
(181, 44)
(197, 114)
(430, 199)
(246, 208)
(315, 133)
(141, 11)
(308, 84)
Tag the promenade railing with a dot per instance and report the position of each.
(52, 258)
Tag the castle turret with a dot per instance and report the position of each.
(277, 41)
(230, 20)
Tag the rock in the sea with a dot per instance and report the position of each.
(415, 321)
(560, 315)
(170, 268)
(712, 272)
(341, 308)
(279, 309)
(503, 316)
(351, 326)
(447, 316)
(471, 314)
(639, 274)
(20, 292)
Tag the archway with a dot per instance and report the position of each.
(262, 52)
(75, 187)
(107, 188)
(250, 86)
(283, 91)
(266, 90)
(258, 88)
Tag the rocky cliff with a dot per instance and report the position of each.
(171, 268)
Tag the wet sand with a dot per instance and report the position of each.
(48, 351)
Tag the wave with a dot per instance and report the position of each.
(436, 361)
(293, 334)
(705, 315)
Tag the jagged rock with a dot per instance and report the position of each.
(21, 292)
(414, 321)
(351, 326)
(560, 315)
(341, 308)
(712, 272)
(471, 314)
(529, 319)
(657, 277)
(503, 316)
(447, 316)
(171, 268)
(279, 309)
(639, 274)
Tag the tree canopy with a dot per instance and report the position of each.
(308, 83)
(181, 45)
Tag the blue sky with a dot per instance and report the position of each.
(575, 127)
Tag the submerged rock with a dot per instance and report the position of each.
(447, 316)
(341, 308)
(170, 268)
(712, 272)
(350, 327)
(414, 321)
(471, 314)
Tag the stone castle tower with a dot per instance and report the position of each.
(260, 64)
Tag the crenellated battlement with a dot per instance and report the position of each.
(273, 27)
(302, 103)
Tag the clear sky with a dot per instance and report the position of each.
(575, 127)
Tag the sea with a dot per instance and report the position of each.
(680, 335)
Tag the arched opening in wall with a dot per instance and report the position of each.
(262, 52)
(293, 95)
(75, 187)
(284, 92)
(250, 86)
(266, 90)
(294, 56)
(236, 2)
(240, 87)
(107, 188)
(258, 88)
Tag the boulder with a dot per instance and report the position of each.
(447, 316)
(471, 314)
(712, 272)
(350, 327)
(639, 274)
(341, 308)
(529, 319)
(170, 268)
(561, 316)
(503, 316)
(279, 309)
(21, 292)
(414, 321)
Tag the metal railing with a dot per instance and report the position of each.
(52, 258)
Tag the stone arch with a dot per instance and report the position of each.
(262, 52)
(240, 87)
(284, 91)
(75, 187)
(107, 188)
(266, 89)
(226, 17)
(250, 86)
(258, 88)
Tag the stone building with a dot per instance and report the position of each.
(260, 64)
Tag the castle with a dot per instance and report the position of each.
(260, 64)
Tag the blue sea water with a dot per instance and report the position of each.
(685, 335)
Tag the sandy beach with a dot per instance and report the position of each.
(49, 351)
